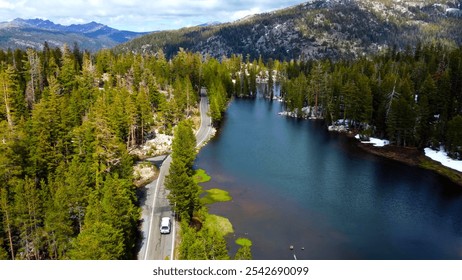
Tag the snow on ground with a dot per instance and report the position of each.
(339, 128)
(442, 157)
(376, 142)
(305, 112)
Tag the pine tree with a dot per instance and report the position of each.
(145, 115)
(7, 221)
(98, 241)
(57, 223)
(28, 217)
(68, 70)
(35, 84)
(8, 89)
(454, 137)
(184, 192)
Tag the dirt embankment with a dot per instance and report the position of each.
(409, 156)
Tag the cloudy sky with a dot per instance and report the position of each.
(138, 15)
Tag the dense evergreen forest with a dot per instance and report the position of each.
(413, 97)
(69, 119)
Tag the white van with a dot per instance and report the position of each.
(165, 225)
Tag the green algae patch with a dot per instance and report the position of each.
(220, 224)
(215, 195)
(200, 176)
(244, 242)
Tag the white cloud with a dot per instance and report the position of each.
(243, 13)
(138, 15)
(71, 20)
(6, 5)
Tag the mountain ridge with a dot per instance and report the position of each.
(316, 29)
(32, 33)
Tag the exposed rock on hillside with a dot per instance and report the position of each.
(317, 29)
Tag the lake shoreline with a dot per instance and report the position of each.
(411, 156)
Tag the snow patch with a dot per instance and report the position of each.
(338, 128)
(376, 142)
(160, 145)
(443, 158)
(306, 113)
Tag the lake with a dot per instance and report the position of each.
(295, 183)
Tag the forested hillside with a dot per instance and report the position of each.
(413, 98)
(68, 121)
(334, 29)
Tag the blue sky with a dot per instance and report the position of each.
(138, 15)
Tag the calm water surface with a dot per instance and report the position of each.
(294, 183)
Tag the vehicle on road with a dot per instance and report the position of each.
(165, 225)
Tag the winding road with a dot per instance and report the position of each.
(156, 246)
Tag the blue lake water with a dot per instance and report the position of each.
(295, 183)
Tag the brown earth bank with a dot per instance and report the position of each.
(406, 155)
(414, 157)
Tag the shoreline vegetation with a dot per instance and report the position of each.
(412, 98)
(414, 157)
(411, 156)
(218, 223)
(408, 155)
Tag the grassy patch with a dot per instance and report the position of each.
(441, 169)
(215, 195)
(244, 242)
(200, 176)
(220, 224)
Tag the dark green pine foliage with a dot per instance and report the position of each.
(409, 97)
(454, 137)
(63, 152)
(202, 244)
(113, 214)
(184, 192)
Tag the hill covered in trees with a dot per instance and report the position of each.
(331, 29)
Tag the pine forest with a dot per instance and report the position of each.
(69, 120)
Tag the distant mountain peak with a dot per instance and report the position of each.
(26, 33)
(37, 22)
